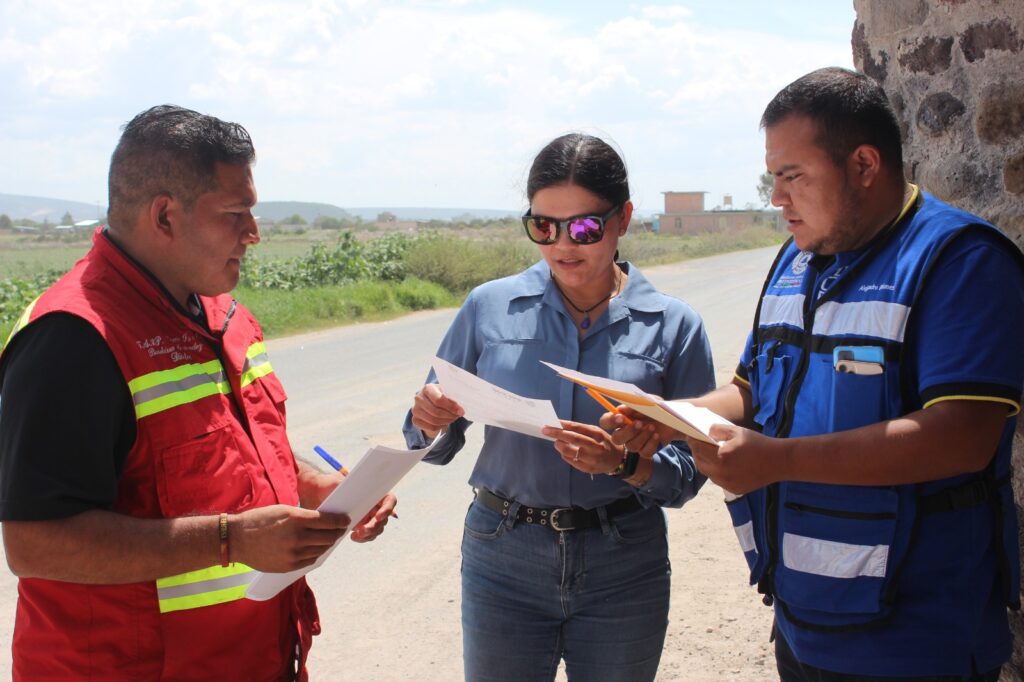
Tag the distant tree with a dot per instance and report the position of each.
(326, 222)
(765, 186)
(67, 219)
(5, 222)
(387, 217)
(294, 219)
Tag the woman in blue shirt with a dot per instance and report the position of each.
(564, 553)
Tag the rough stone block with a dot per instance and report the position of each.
(954, 180)
(864, 60)
(1013, 174)
(1001, 113)
(930, 55)
(997, 34)
(887, 17)
(938, 111)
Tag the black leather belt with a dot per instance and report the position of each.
(561, 518)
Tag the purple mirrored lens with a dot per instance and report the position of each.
(541, 230)
(586, 230)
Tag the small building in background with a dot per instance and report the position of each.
(685, 214)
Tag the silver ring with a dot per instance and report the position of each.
(576, 457)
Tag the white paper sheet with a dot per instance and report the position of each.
(488, 404)
(376, 473)
(685, 417)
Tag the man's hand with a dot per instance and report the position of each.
(432, 411)
(282, 538)
(744, 460)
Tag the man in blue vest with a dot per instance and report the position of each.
(873, 408)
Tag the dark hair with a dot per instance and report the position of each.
(171, 150)
(583, 160)
(850, 109)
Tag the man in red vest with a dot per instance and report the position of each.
(145, 471)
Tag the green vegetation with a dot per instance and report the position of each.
(297, 282)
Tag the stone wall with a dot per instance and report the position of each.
(954, 71)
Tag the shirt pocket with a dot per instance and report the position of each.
(835, 547)
(204, 475)
(515, 365)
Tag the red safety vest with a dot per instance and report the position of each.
(211, 438)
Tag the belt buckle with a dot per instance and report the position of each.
(554, 519)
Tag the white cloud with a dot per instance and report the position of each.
(439, 102)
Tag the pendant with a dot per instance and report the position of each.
(585, 323)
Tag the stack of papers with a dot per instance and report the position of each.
(693, 421)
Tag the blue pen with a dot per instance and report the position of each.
(336, 465)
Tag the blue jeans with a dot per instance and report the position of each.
(596, 597)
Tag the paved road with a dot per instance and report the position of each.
(390, 608)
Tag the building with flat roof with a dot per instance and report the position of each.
(685, 214)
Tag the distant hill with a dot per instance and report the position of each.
(39, 208)
(18, 206)
(277, 210)
(407, 213)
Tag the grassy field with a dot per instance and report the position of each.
(432, 270)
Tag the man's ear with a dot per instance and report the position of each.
(865, 162)
(163, 210)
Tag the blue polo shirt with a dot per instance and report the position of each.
(508, 326)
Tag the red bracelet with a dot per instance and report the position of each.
(225, 550)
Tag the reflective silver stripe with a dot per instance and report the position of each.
(782, 310)
(745, 534)
(178, 386)
(190, 589)
(255, 361)
(879, 319)
(833, 559)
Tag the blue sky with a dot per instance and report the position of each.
(439, 103)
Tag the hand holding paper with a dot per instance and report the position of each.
(688, 419)
(489, 404)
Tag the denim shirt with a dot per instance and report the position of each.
(501, 334)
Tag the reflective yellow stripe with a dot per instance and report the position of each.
(174, 374)
(167, 388)
(257, 364)
(22, 321)
(1014, 405)
(197, 601)
(205, 587)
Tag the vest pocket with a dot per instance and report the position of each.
(767, 382)
(835, 545)
(187, 472)
(857, 400)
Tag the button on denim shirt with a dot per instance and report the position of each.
(501, 334)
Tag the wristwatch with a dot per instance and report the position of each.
(627, 467)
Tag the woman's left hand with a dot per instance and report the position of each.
(586, 447)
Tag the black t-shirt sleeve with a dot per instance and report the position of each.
(66, 421)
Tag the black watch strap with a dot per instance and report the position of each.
(627, 467)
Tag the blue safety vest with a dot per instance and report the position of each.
(833, 557)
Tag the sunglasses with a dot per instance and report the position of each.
(582, 229)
